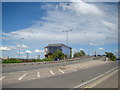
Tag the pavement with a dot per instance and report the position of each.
(37, 65)
(58, 76)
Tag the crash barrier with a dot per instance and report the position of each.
(47, 62)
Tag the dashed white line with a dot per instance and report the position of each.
(38, 74)
(52, 72)
(2, 77)
(22, 76)
(61, 71)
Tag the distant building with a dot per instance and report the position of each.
(4, 58)
(51, 48)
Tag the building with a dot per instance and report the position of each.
(51, 48)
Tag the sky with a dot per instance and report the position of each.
(31, 26)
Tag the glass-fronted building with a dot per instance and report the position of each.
(51, 48)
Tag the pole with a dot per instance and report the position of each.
(67, 37)
(27, 55)
(19, 47)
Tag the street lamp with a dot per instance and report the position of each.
(19, 47)
(67, 35)
(67, 38)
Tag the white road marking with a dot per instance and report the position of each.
(61, 71)
(22, 76)
(90, 86)
(23, 71)
(94, 78)
(2, 77)
(52, 72)
(38, 74)
(74, 70)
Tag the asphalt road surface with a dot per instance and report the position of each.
(32, 67)
(61, 78)
(110, 81)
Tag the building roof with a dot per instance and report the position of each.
(59, 45)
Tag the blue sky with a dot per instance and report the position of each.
(94, 26)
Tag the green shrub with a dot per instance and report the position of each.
(12, 60)
(47, 59)
(58, 54)
(33, 60)
(38, 60)
(111, 56)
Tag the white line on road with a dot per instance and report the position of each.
(61, 71)
(52, 72)
(2, 77)
(74, 70)
(95, 78)
(92, 85)
(22, 76)
(38, 74)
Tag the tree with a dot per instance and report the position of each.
(58, 54)
(110, 56)
(82, 52)
(78, 54)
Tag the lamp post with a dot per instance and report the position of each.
(19, 47)
(67, 35)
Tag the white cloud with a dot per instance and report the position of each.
(4, 38)
(82, 49)
(83, 8)
(116, 50)
(101, 48)
(5, 48)
(20, 52)
(39, 50)
(88, 21)
(28, 51)
(75, 50)
(22, 46)
(110, 25)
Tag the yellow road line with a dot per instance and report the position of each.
(99, 81)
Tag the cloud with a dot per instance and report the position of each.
(5, 48)
(28, 51)
(90, 22)
(82, 49)
(83, 8)
(4, 38)
(116, 50)
(101, 48)
(20, 52)
(39, 50)
(22, 46)
(110, 25)
(75, 50)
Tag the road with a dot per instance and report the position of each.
(71, 76)
(110, 81)
(33, 67)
